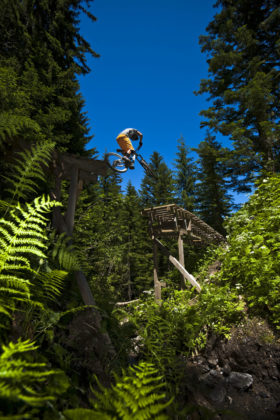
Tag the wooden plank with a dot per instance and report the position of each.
(181, 259)
(179, 267)
(126, 303)
(98, 167)
(157, 287)
(72, 199)
(164, 216)
(187, 275)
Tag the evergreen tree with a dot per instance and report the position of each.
(98, 235)
(43, 39)
(243, 57)
(138, 246)
(113, 241)
(213, 201)
(157, 192)
(185, 177)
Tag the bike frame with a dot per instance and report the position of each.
(124, 158)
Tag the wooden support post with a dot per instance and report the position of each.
(84, 288)
(181, 259)
(75, 188)
(57, 220)
(75, 170)
(179, 267)
(72, 200)
(157, 285)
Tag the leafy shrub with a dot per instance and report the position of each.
(182, 323)
(251, 262)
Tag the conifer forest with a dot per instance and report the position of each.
(84, 331)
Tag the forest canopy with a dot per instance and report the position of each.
(64, 357)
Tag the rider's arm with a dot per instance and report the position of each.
(140, 138)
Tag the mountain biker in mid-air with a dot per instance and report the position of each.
(124, 141)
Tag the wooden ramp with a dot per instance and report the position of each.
(174, 221)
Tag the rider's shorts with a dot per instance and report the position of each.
(124, 142)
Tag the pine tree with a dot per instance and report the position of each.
(243, 57)
(156, 192)
(99, 235)
(185, 177)
(138, 246)
(43, 39)
(213, 201)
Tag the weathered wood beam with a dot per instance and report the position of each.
(126, 303)
(72, 200)
(176, 263)
(164, 215)
(93, 166)
(157, 286)
(181, 259)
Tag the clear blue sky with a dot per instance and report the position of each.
(150, 64)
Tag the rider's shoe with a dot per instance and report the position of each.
(131, 166)
(127, 161)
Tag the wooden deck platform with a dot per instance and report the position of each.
(171, 220)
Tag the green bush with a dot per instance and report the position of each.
(251, 262)
(182, 323)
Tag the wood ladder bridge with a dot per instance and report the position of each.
(175, 222)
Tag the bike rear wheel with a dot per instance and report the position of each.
(116, 162)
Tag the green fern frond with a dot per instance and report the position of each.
(134, 396)
(85, 414)
(11, 125)
(66, 254)
(19, 234)
(4, 311)
(22, 380)
(4, 205)
(50, 284)
(50, 319)
(22, 237)
(28, 170)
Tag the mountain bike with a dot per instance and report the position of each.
(121, 162)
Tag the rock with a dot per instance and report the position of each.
(263, 394)
(241, 381)
(212, 378)
(217, 395)
(226, 370)
(212, 361)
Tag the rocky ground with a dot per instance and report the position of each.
(236, 379)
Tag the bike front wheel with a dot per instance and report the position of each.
(116, 162)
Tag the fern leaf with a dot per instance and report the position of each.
(85, 414)
(28, 170)
(11, 125)
(22, 237)
(50, 284)
(22, 380)
(66, 254)
(134, 396)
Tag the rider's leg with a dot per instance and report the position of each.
(132, 155)
(127, 148)
(125, 143)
